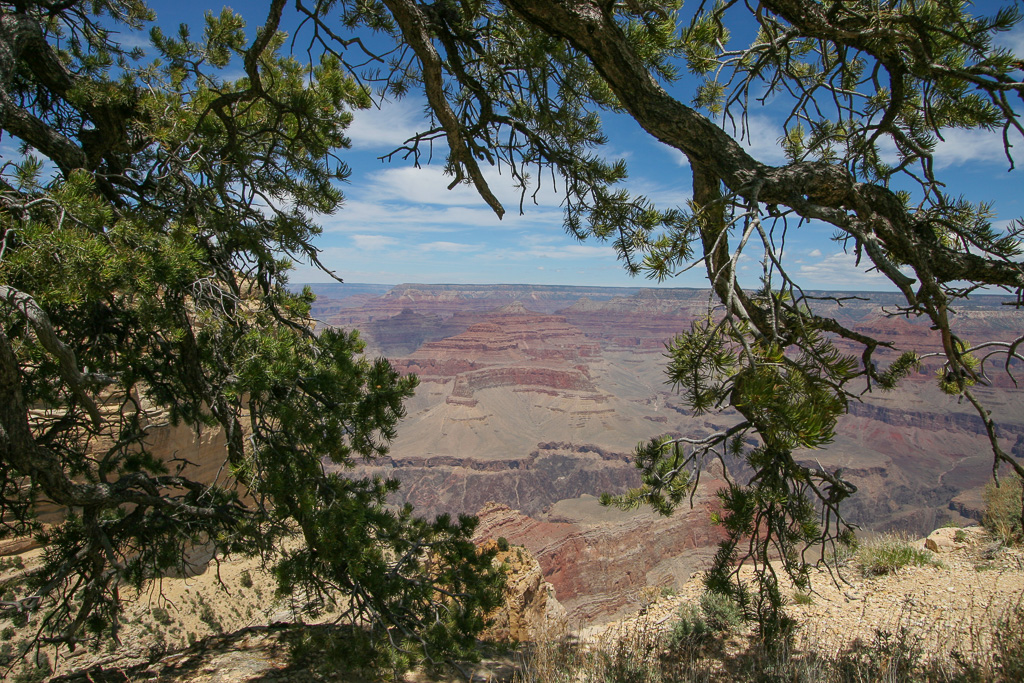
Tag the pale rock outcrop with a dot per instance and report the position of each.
(947, 539)
(529, 608)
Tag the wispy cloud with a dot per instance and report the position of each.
(840, 271)
(571, 251)
(958, 147)
(759, 135)
(387, 126)
(373, 242)
(1014, 40)
(448, 247)
(962, 146)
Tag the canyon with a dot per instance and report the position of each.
(532, 399)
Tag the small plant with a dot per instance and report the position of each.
(209, 617)
(668, 592)
(7, 633)
(802, 598)
(960, 536)
(889, 553)
(1003, 510)
(14, 562)
(691, 631)
(890, 657)
(623, 665)
(1008, 642)
(36, 671)
(647, 596)
(841, 553)
(503, 544)
(160, 615)
(245, 579)
(720, 611)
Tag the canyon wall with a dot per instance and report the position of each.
(532, 400)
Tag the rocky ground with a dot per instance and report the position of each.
(949, 606)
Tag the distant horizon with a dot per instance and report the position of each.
(377, 285)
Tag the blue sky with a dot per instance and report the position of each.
(401, 224)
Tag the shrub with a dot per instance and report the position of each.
(503, 544)
(890, 553)
(1003, 510)
(36, 670)
(889, 657)
(1008, 642)
(720, 611)
(160, 615)
(245, 579)
(690, 631)
(802, 598)
(14, 562)
(209, 617)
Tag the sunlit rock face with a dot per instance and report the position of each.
(599, 561)
(535, 397)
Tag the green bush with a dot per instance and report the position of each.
(720, 611)
(690, 631)
(1008, 642)
(802, 598)
(160, 615)
(503, 544)
(245, 579)
(889, 657)
(890, 553)
(1003, 510)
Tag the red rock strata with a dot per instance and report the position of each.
(599, 568)
(468, 383)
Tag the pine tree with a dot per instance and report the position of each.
(148, 220)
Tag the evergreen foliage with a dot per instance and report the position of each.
(147, 225)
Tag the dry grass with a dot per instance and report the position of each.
(889, 553)
(1003, 510)
(649, 655)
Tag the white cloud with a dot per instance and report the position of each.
(132, 39)
(571, 251)
(394, 217)
(448, 247)
(674, 154)
(961, 146)
(373, 242)
(759, 135)
(1014, 40)
(839, 271)
(815, 253)
(665, 195)
(389, 125)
